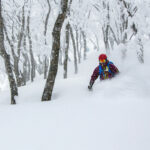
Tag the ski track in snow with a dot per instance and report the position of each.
(114, 116)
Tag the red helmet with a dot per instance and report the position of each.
(102, 56)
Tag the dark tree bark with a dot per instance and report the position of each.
(6, 57)
(55, 52)
(46, 64)
(66, 51)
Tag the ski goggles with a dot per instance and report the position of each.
(102, 61)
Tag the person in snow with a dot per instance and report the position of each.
(105, 69)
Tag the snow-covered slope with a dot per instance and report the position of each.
(114, 116)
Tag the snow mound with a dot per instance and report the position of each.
(114, 116)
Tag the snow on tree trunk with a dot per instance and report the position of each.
(60, 57)
(25, 62)
(25, 68)
(140, 51)
(30, 49)
(85, 45)
(46, 20)
(77, 45)
(66, 51)
(75, 51)
(97, 42)
(55, 52)
(17, 57)
(6, 57)
(106, 30)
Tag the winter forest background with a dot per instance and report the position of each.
(49, 49)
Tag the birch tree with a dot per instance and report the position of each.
(6, 57)
(30, 48)
(55, 52)
(74, 50)
(66, 51)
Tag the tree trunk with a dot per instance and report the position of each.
(25, 68)
(40, 65)
(77, 45)
(75, 51)
(29, 69)
(30, 49)
(55, 52)
(140, 51)
(85, 45)
(25, 62)
(66, 51)
(6, 57)
(106, 29)
(46, 20)
(17, 57)
(45, 66)
(80, 45)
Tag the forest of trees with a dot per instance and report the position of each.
(38, 35)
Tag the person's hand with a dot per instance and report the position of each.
(90, 85)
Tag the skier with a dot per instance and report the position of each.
(105, 70)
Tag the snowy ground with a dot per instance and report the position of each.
(114, 116)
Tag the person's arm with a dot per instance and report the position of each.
(113, 68)
(94, 77)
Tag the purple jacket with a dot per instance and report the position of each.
(113, 69)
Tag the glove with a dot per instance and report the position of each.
(90, 85)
